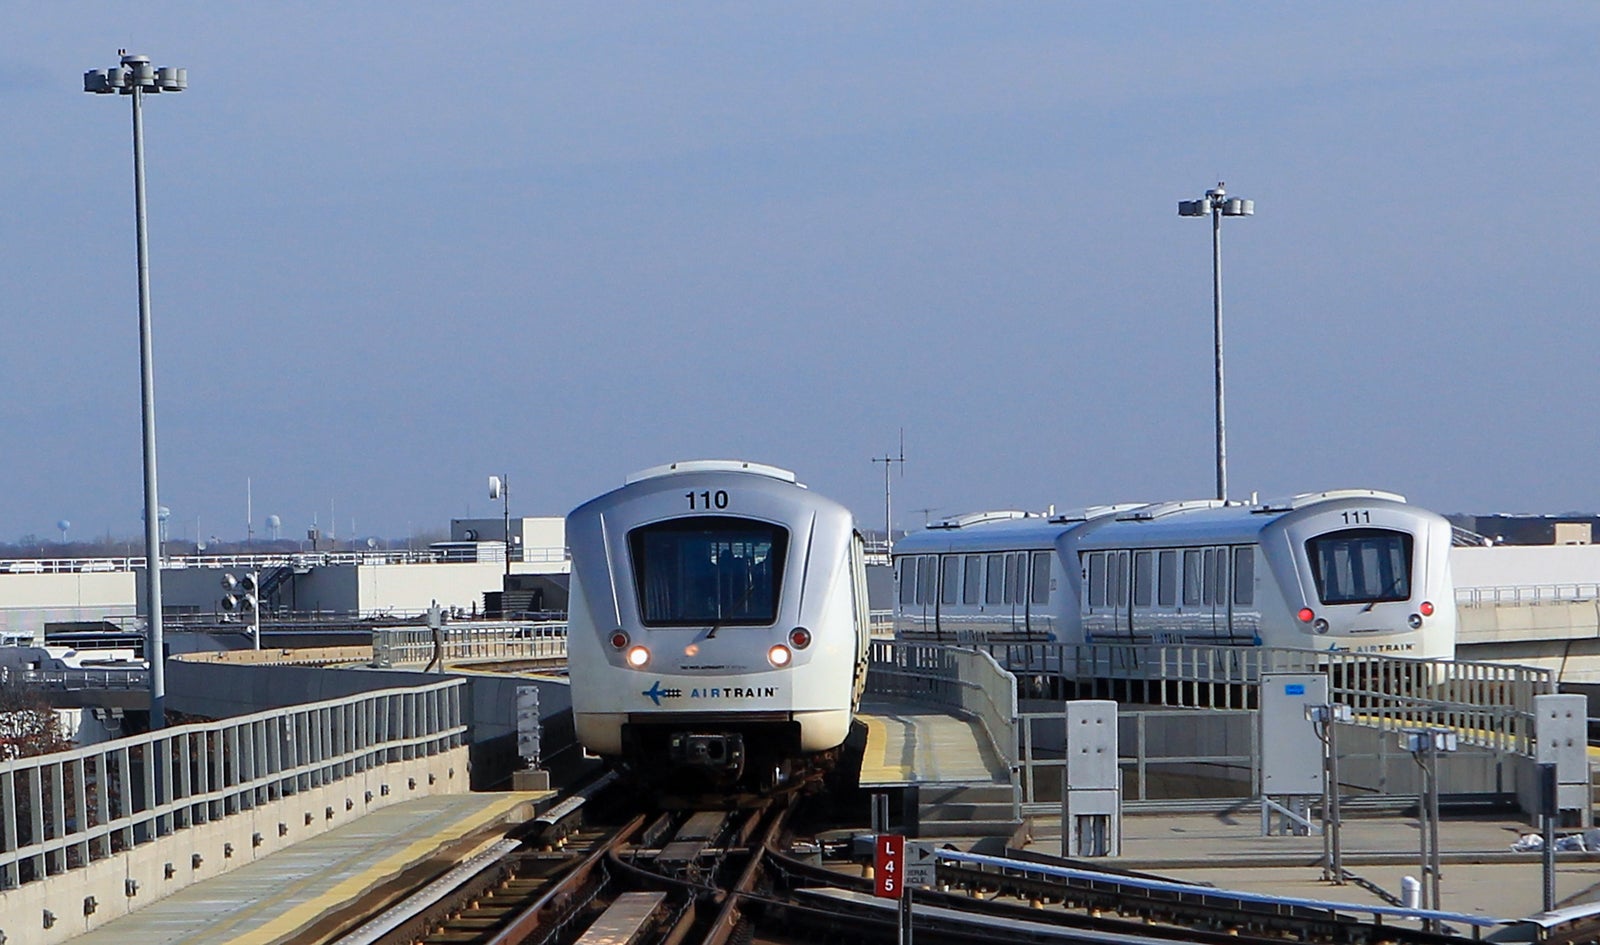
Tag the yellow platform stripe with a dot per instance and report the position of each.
(875, 764)
(302, 914)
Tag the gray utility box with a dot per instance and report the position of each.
(1291, 751)
(1091, 783)
(1561, 733)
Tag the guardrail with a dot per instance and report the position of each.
(65, 810)
(544, 640)
(72, 680)
(1522, 595)
(272, 560)
(1490, 704)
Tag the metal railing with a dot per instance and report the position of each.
(261, 561)
(1522, 595)
(1222, 741)
(73, 680)
(65, 810)
(395, 646)
(1491, 704)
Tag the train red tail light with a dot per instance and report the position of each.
(1305, 615)
(1426, 608)
(619, 640)
(799, 638)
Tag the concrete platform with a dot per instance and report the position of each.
(308, 887)
(1479, 874)
(909, 743)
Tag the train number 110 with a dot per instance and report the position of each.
(707, 500)
(1361, 517)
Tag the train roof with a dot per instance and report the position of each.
(1176, 521)
(712, 465)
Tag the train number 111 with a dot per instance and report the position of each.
(1361, 517)
(707, 500)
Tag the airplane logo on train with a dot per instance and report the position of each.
(655, 692)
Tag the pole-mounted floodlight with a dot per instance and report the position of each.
(1217, 204)
(134, 76)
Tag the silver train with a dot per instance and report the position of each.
(718, 625)
(1352, 570)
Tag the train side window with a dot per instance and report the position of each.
(1244, 576)
(1167, 578)
(1019, 591)
(1220, 597)
(908, 580)
(974, 580)
(1011, 580)
(1097, 579)
(1210, 579)
(1191, 578)
(950, 580)
(926, 593)
(1041, 578)
(997, 576)
(1143, 561)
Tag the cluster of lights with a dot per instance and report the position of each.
(637, 655)
(135, 72)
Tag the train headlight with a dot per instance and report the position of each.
(1415, 620)
(638, 656)
(1320, 625)
(619, 640)
(799, 638)
(779, 655)
(1305, 615)
(1426, 608)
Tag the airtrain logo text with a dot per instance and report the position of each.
(716, 693)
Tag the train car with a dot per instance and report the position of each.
(1350, 570)
(718, 625)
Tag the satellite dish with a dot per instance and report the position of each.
(372, 542)
(200, 546)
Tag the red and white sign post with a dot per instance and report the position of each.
(889, 875)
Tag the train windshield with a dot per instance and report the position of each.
(708, 571)
(1361, 565)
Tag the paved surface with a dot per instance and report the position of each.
(909, 743)
(1480, 873)
(281, 896)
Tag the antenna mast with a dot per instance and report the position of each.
(888, 462)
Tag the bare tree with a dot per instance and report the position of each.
(28, 726)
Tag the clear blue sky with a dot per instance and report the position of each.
(397, 247)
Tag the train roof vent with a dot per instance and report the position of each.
(979, 518)
(1093, 512)
(1312, 498)
(1145, 513)
(710, 465)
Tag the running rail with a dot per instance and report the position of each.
(1203, 892)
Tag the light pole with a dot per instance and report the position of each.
(134, 76)
(500, 488)
(1218, 204)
